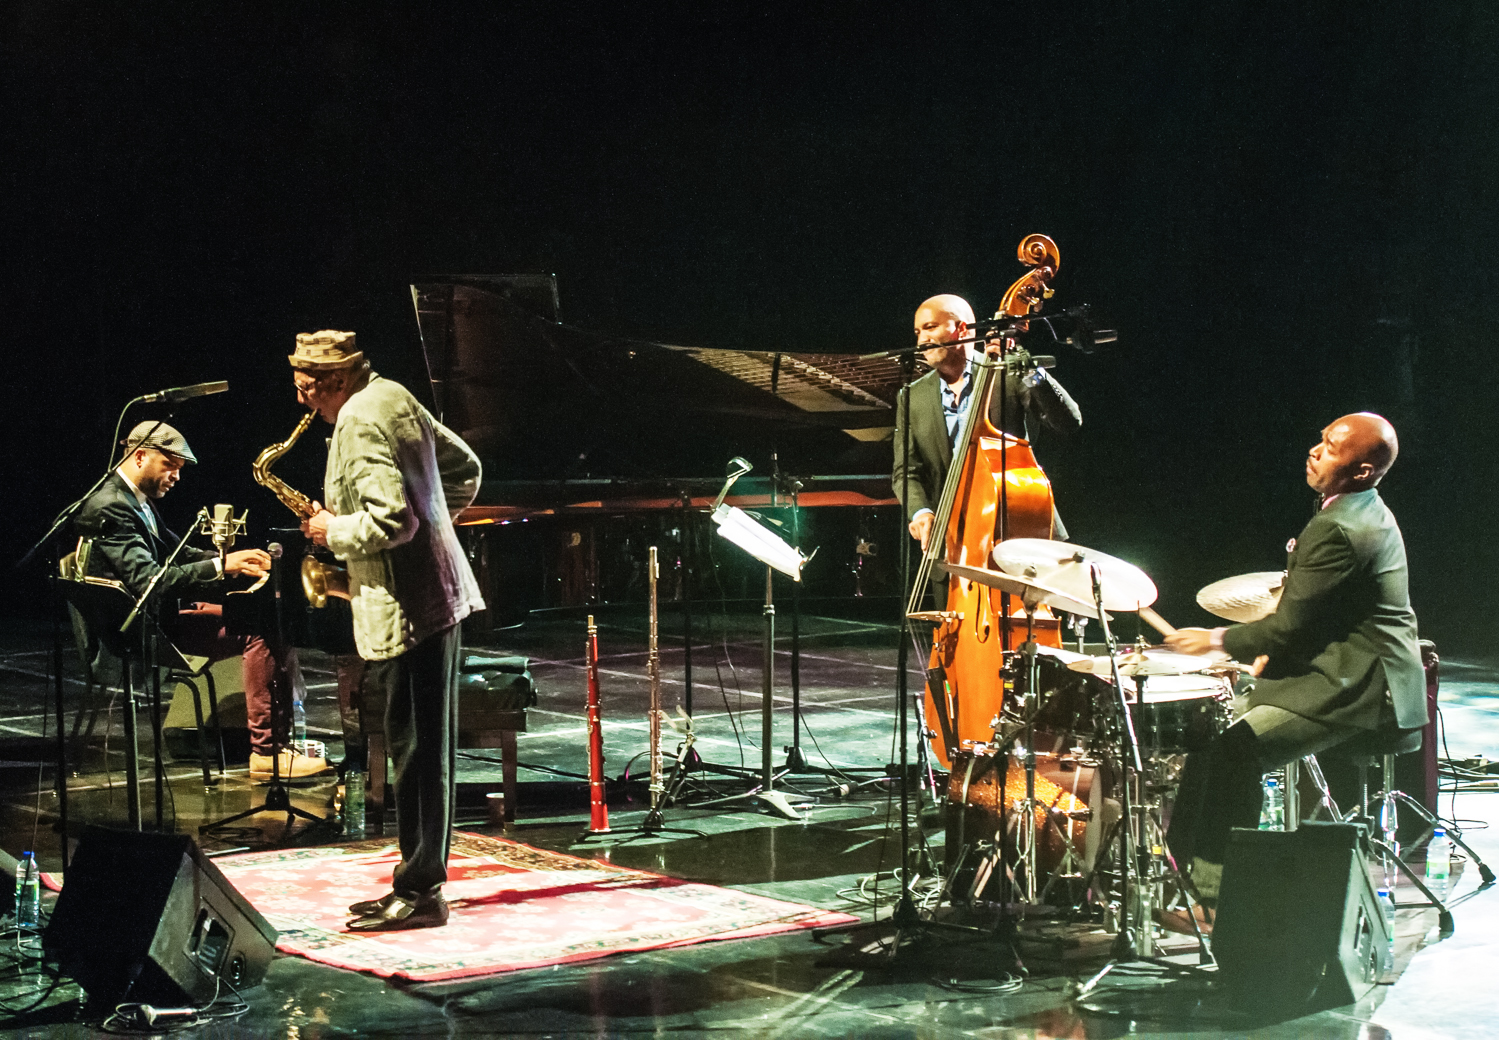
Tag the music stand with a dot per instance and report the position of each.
(738, 527)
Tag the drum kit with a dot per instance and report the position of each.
(1085, 745)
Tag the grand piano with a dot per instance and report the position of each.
(596, 447)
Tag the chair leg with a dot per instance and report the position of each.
(183, 679)
(1326, 802)
(1389, 820)
(213, 708)
(508, 771)
(374, 791)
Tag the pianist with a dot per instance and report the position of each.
(126, 541)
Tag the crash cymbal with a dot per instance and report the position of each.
(1032, 593)
(1147, 663)
(1244, 597)
(1066, 568)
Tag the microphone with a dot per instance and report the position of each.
(222, 527)
(182, 393)
(275, 550)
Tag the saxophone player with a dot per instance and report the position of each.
(395, 479)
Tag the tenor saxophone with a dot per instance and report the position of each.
(319, 580)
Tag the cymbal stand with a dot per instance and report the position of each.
(1134, 942)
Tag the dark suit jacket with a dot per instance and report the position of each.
(1025, 410)
(125, 549)
(1344, 632)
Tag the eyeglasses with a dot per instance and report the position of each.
(309, 384)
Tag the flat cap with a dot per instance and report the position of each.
(160, 436)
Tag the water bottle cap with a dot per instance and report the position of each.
(1439, 832)
(25, 854)
(1382, 892)
(1272, 782)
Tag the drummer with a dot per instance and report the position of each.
(1337, 658)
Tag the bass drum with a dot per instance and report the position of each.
(1071, 818)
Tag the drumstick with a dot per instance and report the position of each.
(1156, 622)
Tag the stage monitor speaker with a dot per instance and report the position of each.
(148, 917)
(1299, 927)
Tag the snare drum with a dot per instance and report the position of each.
(1180, 713)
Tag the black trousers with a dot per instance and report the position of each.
(1221, 784)
(421, 727)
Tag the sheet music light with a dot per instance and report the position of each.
(763, 544)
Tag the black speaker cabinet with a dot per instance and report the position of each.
(148, 917)
(1298, 925)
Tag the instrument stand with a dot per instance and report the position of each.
(1133, 943)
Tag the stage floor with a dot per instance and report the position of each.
(786, 985)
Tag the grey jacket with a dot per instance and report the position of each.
(396, 478)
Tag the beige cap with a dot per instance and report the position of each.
(325, 350)
(160, 436)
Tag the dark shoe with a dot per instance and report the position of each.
(424, 911)
(373, 906)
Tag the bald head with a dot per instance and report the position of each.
(1355, 452)
(941, 320)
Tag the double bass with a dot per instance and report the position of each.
(994, 490)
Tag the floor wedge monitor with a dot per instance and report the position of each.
(148, 917)
(1299, 926)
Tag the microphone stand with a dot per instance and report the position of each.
(1134, 942)
(277, 800)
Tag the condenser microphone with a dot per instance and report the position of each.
(222, 527)
(182, 393)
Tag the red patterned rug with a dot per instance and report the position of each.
(513, 906)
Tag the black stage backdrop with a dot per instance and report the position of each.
(1289, 212)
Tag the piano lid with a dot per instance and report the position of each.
(539, 400)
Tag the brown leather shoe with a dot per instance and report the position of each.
(290, 765)
(1180, 922)
(429, 910)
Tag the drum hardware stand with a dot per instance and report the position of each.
(1133, 942)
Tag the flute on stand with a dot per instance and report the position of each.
(598, 820)
(653, 670)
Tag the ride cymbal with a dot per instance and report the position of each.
(1067, 568)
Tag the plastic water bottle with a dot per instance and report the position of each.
(354, 803)
(1387, 955)
(1438, 860)
(299, 713)
(1273, 806)
(28, 892)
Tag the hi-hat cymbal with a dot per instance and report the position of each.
(1032, 593)
(1067, 568)
(1148, 662)
(1244, 597)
